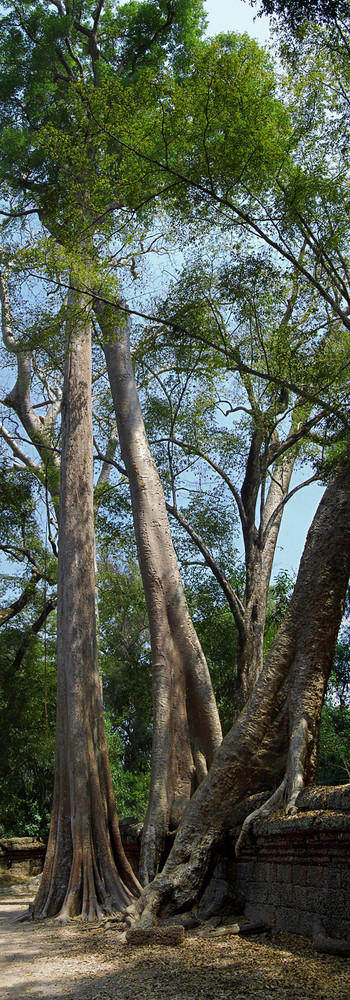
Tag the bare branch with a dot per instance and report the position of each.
(108, 460)
(233, 600)
(307, 482)
(228, 352)
(36, 627)
(18, 452)
(15, 607)
(110, 453)
(221, 472)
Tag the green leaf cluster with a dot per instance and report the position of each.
(27, 732)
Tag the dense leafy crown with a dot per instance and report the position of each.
(52, 58)
(294, 12)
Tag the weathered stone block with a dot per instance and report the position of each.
(314, 875)
(285, 873)
(298, 867)
(260, 911)
(299, 874)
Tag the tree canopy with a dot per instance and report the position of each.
(175, 312)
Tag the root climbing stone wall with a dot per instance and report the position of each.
(294, 869)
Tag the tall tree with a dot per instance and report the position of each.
(85, 866)
(276, 735)
(61, 175)
(85, 871)
(186, 723)
(265, 194)
(229, 424)
(275, 739)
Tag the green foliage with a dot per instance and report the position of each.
(131, 787)
(339, 682)
(127, 684)
(113, 522)
(27, 674)
(334, 749)
(27, 732)
(221, 126)
(208, 113)
(17, 505)
(149, 31)
(126, 663)
(217, 633)
(295, 12)
(230, 114)
(60, 70)
(280, 593)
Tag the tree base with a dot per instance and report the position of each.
(327, 945)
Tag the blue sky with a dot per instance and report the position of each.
(236, 15)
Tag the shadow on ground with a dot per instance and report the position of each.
(73, 962)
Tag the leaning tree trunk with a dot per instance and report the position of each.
(186, 723)
(86, 871)
(260, 548)
(275, 739)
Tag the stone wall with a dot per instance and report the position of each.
(22, 856)
(293, 869)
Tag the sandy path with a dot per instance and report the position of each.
(42, 960)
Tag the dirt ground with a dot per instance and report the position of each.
(72, 962)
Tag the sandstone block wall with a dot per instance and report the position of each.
(296, 868)
(21, 855)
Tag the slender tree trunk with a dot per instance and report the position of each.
(260, 547)
(275, 739)
(86, 871)
(187, 729)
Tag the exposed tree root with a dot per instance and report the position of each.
(243, 929)
(287, 792)
(327, 945)
(275, 738)
(265, 810)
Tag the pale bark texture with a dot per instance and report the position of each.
(86, 871)
(187, 729)
(274, 741)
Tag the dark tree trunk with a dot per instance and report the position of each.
(275, 739)
(86, 871)
(187, 729)
(260, 546)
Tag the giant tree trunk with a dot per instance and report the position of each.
(187, 729)
(275, 739)
(86, 871)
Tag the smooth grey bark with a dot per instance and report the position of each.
(86, 871)
(274, 742)
(187, 729)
